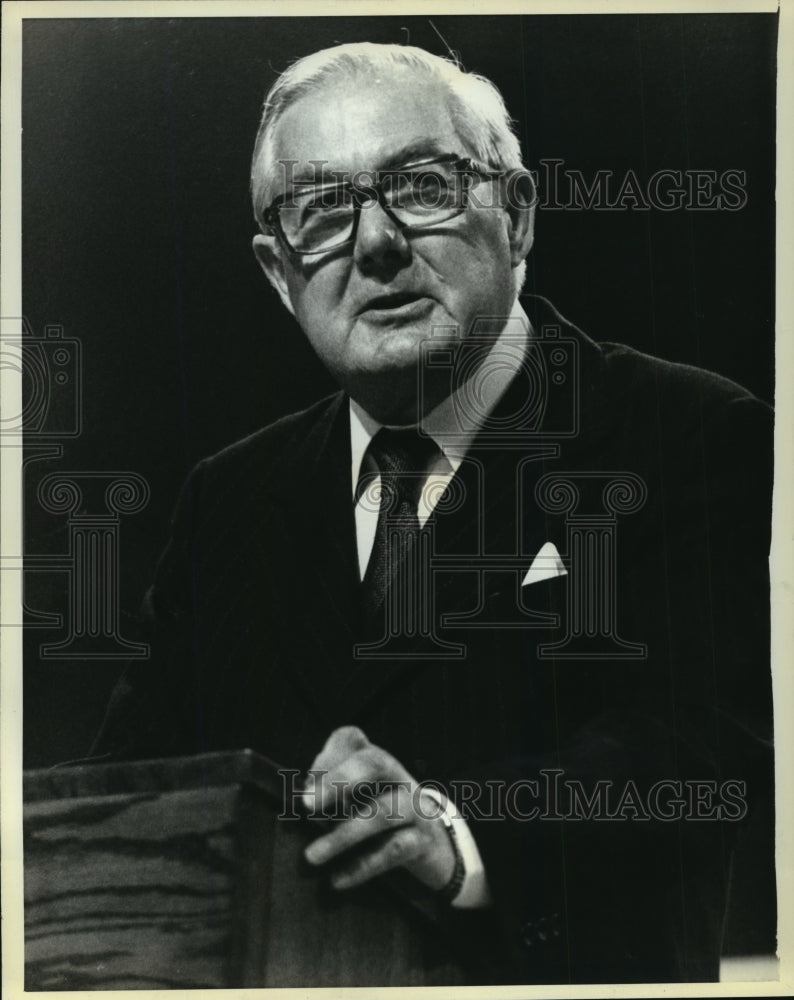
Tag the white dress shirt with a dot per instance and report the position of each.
(452, 425)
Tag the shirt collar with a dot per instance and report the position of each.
(454, 424)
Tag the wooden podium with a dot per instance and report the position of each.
(179, 874)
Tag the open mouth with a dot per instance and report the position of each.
(392, 301)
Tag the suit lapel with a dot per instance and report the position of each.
(539, 421)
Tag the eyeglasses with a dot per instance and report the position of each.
(318, 218)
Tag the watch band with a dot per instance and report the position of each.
(452, 888)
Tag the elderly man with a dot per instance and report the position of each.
(503, 558)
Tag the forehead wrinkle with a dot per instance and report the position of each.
(417, 149)
(346, 108)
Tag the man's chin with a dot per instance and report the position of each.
(390, 349)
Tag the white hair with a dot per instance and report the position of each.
(477, 108)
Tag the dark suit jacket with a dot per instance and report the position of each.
(254, 613)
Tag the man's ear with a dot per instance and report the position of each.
(270, 255)
(521, 198)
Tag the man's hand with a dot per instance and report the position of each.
(385, 820)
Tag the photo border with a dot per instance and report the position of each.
(782, 553)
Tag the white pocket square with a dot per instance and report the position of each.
(546, 565)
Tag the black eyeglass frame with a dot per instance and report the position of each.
(362, 193)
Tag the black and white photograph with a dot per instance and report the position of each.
(390, 433)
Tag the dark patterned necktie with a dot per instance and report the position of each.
(403, 458)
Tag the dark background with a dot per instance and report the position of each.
(137, 136)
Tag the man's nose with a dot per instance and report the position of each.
(380, 243)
